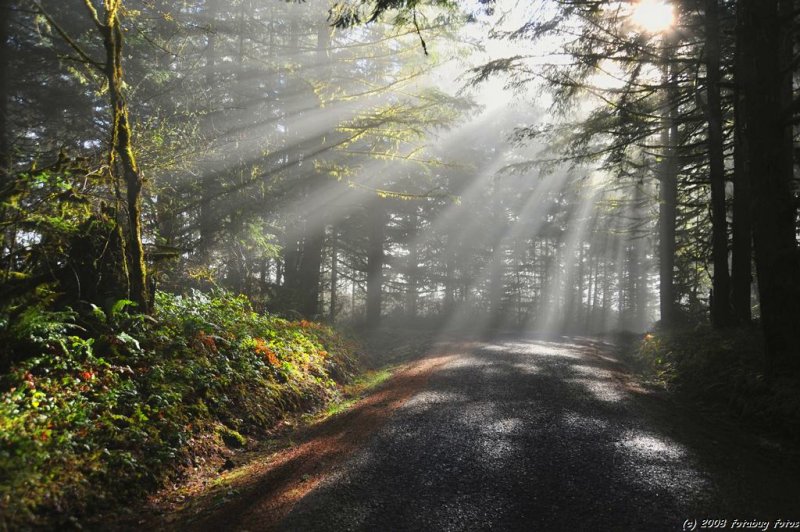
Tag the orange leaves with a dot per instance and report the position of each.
(207, 341)
(28, 378)
(87, 375)
(306, 324)
(264, 350)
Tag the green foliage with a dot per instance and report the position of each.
(111, 413)
(725, 369)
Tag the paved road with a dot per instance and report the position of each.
(538, 435)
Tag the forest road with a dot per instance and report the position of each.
(528, 434)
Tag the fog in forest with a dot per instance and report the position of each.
(362, 254)
(344, 173)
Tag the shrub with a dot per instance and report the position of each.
(723, 368)
(110, 413)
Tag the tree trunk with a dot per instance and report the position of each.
(122, 152)
(496, 284)
(289, 271)
(764, 31)
(634, 279)
(309, 268)
(5, 56)
(413, 270)
(375, 257)
(668, 194)
(641, 264)
(720, 301)
(6, 236)
(742, 244)
(334, 273)
(449, 282)
(209, 187)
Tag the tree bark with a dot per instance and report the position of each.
(313, 223)
(289, 271)
(742, 242)
(762, 74)
(209, 187)
(642, 266)
(122, 150)
(668, 193)
(6, 236)
(720, 301)
(375, 258)
(450, 282)
(309, 268)
(334, 274)
(413, 270)
(5, 56)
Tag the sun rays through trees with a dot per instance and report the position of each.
(467, 169)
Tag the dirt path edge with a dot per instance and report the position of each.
(266, 490)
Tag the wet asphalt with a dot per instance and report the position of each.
(523, 435)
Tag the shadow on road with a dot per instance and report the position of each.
(532, 435)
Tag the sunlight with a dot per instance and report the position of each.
(269, 208)
(654, 16)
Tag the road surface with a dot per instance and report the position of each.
(542, 435)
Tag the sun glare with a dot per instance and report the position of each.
(653, 15)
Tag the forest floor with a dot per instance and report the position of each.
(510, 434)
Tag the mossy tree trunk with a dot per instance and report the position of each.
(122, 147)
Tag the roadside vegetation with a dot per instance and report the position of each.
(109, 406)
(723, 369)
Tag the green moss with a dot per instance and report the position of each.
(351, 393)
(230, 437)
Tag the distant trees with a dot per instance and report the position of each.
(752, 75)
(264, 148)
(741, 91)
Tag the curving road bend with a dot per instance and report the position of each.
(542, 435)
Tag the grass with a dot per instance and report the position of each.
(353, 392)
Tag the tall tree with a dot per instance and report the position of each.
(122, 153)
(376, 222)
(742, 240)
(763, 76)
(720, 300)
(5, 55)
(668, 191)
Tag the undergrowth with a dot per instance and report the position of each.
(723, 368)
(108, 406)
